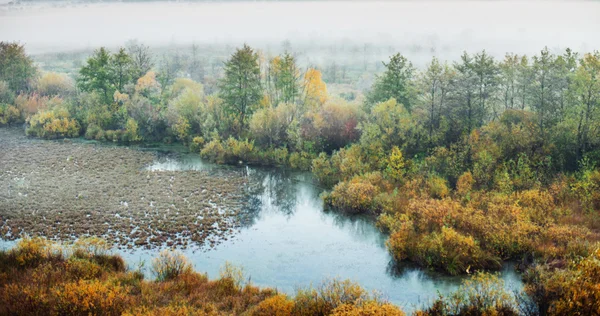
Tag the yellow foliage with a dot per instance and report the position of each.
(278, 305)
(90, 298)
(369, 308)
(147, 84)
(396, 164)
(53, 124)
(315, 89)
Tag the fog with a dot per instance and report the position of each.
(417, 29)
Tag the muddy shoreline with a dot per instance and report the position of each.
(66, 190)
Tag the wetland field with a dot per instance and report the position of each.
(270, 221)
(64, 190)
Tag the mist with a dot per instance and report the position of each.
(417, 29)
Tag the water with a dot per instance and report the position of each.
(291, 241)
(288, 240)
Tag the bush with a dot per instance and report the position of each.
(131, 132)
(301, 160)
(169, 265)
(52, 124)
(9, 115)
(355, 196)
(437, 187)
(396, 165)
(52, 84)
(233, 273)
(196, 144)
(327, 297)
(369, 308)
(278, 305)
(453, 252)
(31, 252)
(90, 298)
(482, 294)
(94, 131)
(214, 151)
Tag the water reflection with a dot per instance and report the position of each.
(288, 240)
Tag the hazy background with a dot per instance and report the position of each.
(375, 29)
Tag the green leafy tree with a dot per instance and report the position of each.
(96, 75)
(283, 79)
(241, 87)
(395, 82)
(16, 68)
(121, 68)
(106, 73)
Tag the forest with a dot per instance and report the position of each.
(464, 164)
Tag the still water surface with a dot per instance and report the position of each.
(291, 241)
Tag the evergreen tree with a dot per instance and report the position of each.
(395, 82)
(241, 87)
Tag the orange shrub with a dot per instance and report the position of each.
(90, 298)
(356, 195)
(369, 308)
(278, 305)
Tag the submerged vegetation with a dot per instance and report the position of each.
(465, 165)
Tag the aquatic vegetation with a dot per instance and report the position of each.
(122, 202)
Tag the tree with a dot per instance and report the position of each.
(106, 73)
(314, 89)
(283, 78)
(466, 112)
(524, 79)
(543, 103)
(395, 82)
(587, 89)
(509, 70)
(16, 68)
(121, 67)
(96, 75)
(241, 88)
(486, 72)
(434, 83)
(52, 83)
(141, 58)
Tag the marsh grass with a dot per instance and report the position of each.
(39, 277)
